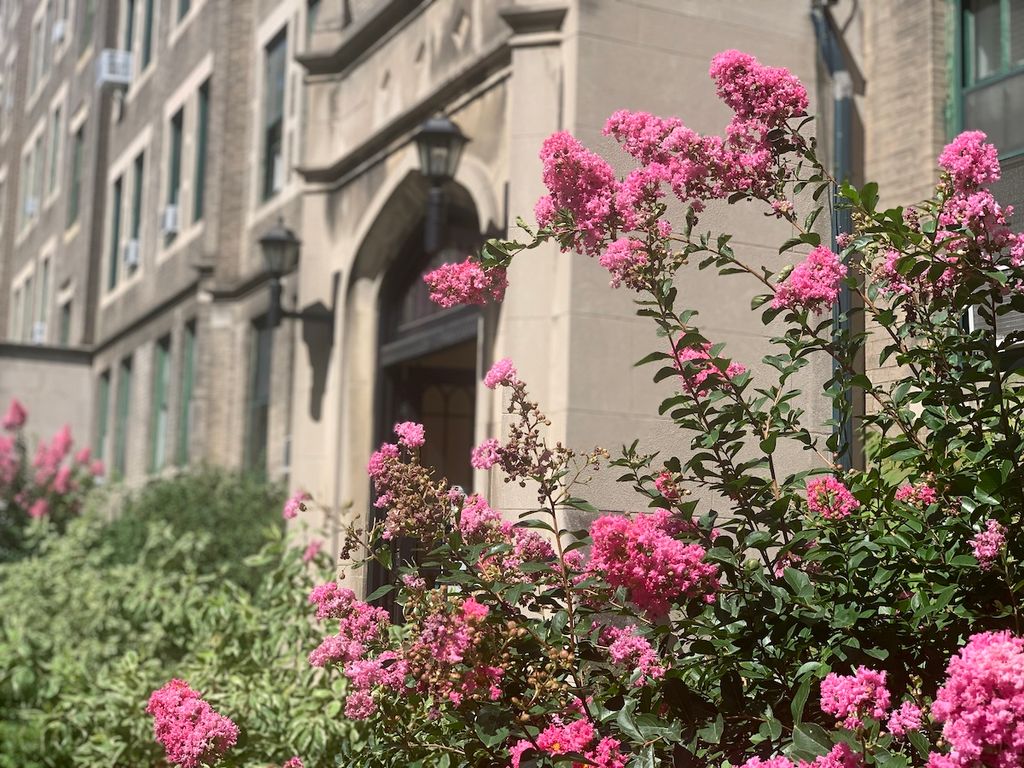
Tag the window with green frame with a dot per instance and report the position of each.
(188, 366)
(88, 20)
(64, 337)
(202, 137)
(124, 404)
(174, 162)
(147, 35)
(161, 386)
(138, 184)
(991, 71)
(103, 416)
(183, 7)
(259, 397)
(274, 87)
(115, 234)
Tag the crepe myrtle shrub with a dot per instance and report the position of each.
(41, 490)
(822, 617)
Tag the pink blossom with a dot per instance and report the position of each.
(843, 240)
(379, 459)
(981, 704)
(665, 482)
(359, 625)
(40, 508)
(970, 161)
(771, 95)
(851, 698)
(813, 284)
(503, 372)
(479, 524)
(829, 498)
(772, 762)
(988, 545)
(293, 762)
(580, 183)
(904, 719)
(700, 372)
(15, 417)
(559, 739)
(62, 480)
(486, 455)
(641, 555)
(312, 550)
(189, 729)
(359, 705)
(96, 468)
(625, 258)
(634, 652)
(83, 455)
(466, 282)
(919, 495)
(410, 434)
(294, 505)
(840, 756)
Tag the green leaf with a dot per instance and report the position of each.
(811, 740)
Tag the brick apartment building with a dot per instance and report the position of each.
(133, 294)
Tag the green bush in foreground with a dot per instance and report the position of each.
(110, 611)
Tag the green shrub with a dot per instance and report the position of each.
(107, 613)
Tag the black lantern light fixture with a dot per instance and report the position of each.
(280, 249)
(440, 143)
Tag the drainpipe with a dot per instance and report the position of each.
(842, 113)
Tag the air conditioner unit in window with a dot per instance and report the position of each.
(38, 332)
(60, 30)
(31, 207)
(131, 254)
(114, 68)
(169, 222)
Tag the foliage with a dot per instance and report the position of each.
(778, 617)
(98, 618)
(38, 497)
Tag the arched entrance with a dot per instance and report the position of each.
(427, 359)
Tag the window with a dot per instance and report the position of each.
(147, 35)
(77, 158)
(174, 160)
(38, 52)
(26, 310)
(103, 416)
(88, 20)
(992, 70)
(183, 6)
(202, 136)
(26, 207)
(129, 24)
(13, 329)
(135, 233)
(64, 337)
(273, 115)
(259, 397)
(124, 403)
(188, 363)
(312, 17)
(161, 382)
(115, 234)
(56, 135)
(43, 309)
(38, 158)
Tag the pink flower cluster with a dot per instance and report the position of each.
(625, 258)
(479, 524)
(560, 738)
(988, 545)
(904, 719)
(410, 434)
(813, 284)
(502, 373)
(840, 756)
(971, 162)
(417, 506)
(467, 282)
(666, 485)
(851, 698)
(633, 652)
(189, 729)
(981, 704)
(828, 497)
(920, 495)
(580, 183)
(486, 455)
(293, 762)
(360, 625)
(770, 95)
(15, 417)
(700, 372)
(311, 551)
(295, 504)
(642, 555)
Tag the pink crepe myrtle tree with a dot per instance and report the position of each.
(820, 617)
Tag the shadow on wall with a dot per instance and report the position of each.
(318, 336)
